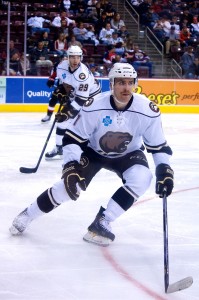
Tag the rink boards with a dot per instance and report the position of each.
(31, 94)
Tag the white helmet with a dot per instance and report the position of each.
(122, 70)
(74, 50)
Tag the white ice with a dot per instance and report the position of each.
(51, 261)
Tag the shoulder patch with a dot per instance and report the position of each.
(82, 76)
(88, 102)
(154, 107)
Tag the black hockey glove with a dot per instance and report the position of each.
(72, 175)
(50, 82)
(67, 112)
(164, 180)
(61, 95)
(68, 88)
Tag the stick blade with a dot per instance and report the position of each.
(27, 170)
(180, 285)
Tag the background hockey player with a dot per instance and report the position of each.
(109, 133)
(79, 86)
(57, 94)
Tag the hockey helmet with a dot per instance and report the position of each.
(122, 70)
(74, 50)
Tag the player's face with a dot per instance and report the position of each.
(74, 61)
(122, 89)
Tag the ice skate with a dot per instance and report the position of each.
(46, 119)
(99, 232)
(56, 153)
(20, 223)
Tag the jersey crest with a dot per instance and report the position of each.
(88, 102)
(84, 162)
(115, 141)
(154, 107)
(82, 76)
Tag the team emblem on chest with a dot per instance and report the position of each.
(82, 76)
(115, 141)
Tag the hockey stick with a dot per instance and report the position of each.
(183, 283)
(34, 170)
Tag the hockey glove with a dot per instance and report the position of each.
(60, 94)
(67, 112)
(50, 82)
(164, 180)
(73, 179)
(68, 88)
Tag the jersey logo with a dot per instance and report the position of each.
(88, 102)
(82, 76)
(115, 141)
(64, 75)
(84, 162)
(154, 107)
(107, 121)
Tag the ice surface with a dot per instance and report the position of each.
(51, 261)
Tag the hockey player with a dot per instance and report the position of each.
(57, 94)
(80, 85)
(109, 133)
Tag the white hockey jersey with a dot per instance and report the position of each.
(82, 80)
(113, 133)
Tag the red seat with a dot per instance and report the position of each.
(19, 23)
(53, 14)
(176, 53)
(39, 6)
(89, 49)
(52, 7)
(3, 46)
(101, 49)
(98, 58)
(143, 72)
(19, 46)
(44, 71)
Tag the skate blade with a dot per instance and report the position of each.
(14, 231)
(93, 238)
(57, 157)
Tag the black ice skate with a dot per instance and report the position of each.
(99, 232)
(20, 223)
(56, 153)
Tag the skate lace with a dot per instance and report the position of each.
(46, 117)
(54, 150)
(105, 224)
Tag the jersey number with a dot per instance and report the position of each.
(83, 87)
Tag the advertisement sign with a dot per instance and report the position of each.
(170, 92)
(2, 89)
(33, 90)
(14, 90)
(36, 90)
(27, 90)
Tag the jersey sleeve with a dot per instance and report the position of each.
(155, 142)
(154, 138)
(59, 72)
(77, 136)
